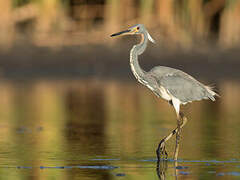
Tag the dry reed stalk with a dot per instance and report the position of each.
(51, 23)
(169, 20)
(230, 26)
(196, 16)
(112, 15)
(26, 12)
(146, 12)
(7, 31)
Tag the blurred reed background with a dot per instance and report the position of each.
(71, 22)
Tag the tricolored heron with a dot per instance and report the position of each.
(173, 85)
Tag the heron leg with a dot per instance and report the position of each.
(177, 138)
(161, 150)
(181, 121)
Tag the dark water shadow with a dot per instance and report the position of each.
(227, 168)
(161, 169)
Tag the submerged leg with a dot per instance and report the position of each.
(161, 169)
(180, 121)
(161, 150)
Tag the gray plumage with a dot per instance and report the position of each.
(171, 84)
(181, 85)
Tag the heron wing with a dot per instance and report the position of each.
(184, 87)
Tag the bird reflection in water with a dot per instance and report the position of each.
(162, 167)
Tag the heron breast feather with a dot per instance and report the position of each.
(164, 93)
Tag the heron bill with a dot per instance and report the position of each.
(119, 33)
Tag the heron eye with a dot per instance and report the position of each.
(138, 28)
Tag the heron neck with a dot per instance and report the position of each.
(135, 51)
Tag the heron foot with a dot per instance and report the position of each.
(161, 151)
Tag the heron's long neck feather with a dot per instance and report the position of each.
(135, 51)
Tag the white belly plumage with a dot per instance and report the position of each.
(164, 94)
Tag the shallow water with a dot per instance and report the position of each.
(108, 129)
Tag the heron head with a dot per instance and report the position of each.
(136, 29)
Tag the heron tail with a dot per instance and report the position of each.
(211, 92)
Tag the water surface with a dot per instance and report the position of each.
(107, 129)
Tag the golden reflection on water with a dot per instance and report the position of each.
(68, 123)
